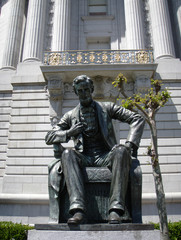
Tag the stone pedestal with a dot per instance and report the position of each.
(94, 231)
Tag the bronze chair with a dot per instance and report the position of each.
(97, 185)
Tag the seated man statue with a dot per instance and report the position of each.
(90, 126)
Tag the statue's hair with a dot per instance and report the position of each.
(83, 78)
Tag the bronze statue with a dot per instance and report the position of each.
(90, 126)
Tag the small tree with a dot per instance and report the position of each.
(149, 104)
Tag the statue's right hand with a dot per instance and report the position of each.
(76, 129)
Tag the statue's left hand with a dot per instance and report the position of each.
(132, 149)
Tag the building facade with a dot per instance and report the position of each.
(44, 45)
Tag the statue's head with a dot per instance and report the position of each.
(83, 87)
(83, 78)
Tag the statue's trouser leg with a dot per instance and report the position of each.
(120, 161)
(53, 206)
(74, 180)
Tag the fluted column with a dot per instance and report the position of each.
(177, 6)
(179, 14)
(134, 24)
(14, 34)
(34, 36)
(61, 26)
(161, 29)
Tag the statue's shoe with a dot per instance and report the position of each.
(114, 218)
(78, 218)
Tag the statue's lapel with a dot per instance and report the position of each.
(76, 115)
(76, 119)
(102, 117)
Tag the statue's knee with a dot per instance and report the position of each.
(68, 155)
(66, 152)
(120, 151)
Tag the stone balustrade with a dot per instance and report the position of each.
(98, 57)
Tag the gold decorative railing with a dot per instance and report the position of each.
(91, 57)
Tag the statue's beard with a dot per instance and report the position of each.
(86, 102)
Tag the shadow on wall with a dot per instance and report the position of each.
(21, 212)
(150, 212)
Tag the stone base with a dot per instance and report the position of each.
(92, 235)
(94, 231)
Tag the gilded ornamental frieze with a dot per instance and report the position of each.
(98, 57)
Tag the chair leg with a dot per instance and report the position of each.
(136, 192)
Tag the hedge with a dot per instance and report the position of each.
(174, 230)
(13, 231)
(17, 231)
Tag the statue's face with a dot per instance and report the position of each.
(84, 92)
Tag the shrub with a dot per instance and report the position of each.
(174, 230)
(13, 231)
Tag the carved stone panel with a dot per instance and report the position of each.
(103, 89)
(55, 92)
(142, 84)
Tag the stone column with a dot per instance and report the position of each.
(161, 29)
(61, 26)
(177, 21)
(134, 24)
(179, 15)
(14, 34)
(34, 36)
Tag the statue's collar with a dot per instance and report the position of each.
(90, 108)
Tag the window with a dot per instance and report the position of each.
(100, 43)
(97, 7)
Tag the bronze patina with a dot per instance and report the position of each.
(90, 126)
